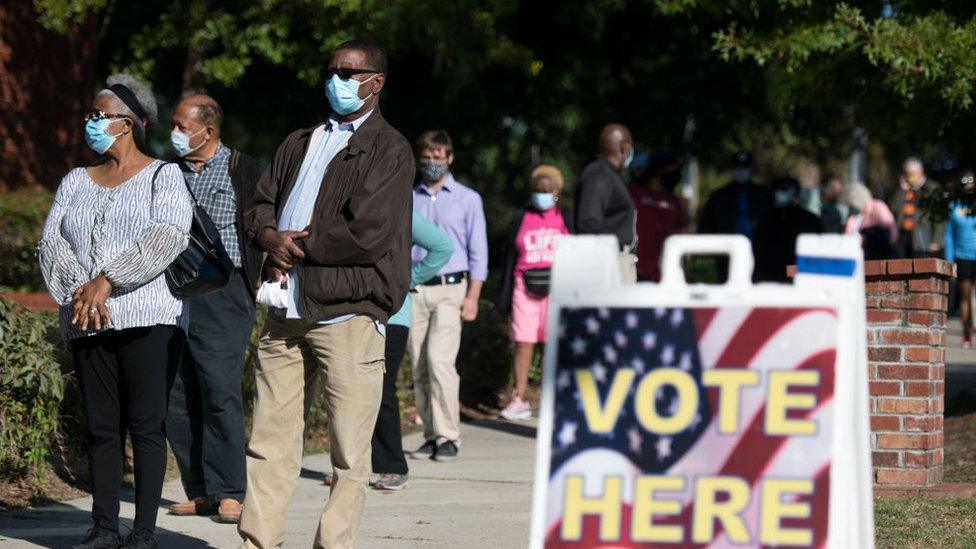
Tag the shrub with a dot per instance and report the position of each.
(31, 388)
(23, 215)
(485, 359)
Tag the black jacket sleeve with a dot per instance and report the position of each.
(507, 286)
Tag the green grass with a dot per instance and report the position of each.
(925, 524)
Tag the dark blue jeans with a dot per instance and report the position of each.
(205, 425)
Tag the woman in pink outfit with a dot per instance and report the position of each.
(525, 283)
(872, 219)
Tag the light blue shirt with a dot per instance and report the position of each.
(960, 233)
(439, 248)
(326, 142)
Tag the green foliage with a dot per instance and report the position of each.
(485, 360)
(23, 214)
(31, 389)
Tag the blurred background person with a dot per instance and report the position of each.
(833, 214)
(737, 207)
(776, 232)
(525, 276)
(918, 234)
(660, 213)
(870, 218)
(603, 205)
(960, 247)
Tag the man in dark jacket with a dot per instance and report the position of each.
(205, 422)
(603, 204)
(735, 208)
(333, 213)
(777, 231)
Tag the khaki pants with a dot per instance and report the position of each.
(290, 354)
(435, 337)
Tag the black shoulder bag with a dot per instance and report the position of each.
(204, 266)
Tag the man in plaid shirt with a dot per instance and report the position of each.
(205, 424)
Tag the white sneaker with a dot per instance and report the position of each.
(517, 410)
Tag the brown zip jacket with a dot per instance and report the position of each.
(357, 253)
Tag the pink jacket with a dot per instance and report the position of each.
(876, 214)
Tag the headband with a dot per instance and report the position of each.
(126, 96)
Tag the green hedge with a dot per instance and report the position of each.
(23, 214)
(32, 388)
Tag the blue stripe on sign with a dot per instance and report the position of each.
(833, 266)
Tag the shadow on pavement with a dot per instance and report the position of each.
(61, 525)
(960, 392)
(517, 429)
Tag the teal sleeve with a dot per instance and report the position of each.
(438, 245)
(949, 243)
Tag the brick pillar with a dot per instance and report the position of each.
(906, 316)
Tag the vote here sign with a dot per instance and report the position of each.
(689, 426)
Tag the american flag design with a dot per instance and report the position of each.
(596, 345)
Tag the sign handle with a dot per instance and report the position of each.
(737, 247)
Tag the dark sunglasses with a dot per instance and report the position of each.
(345, 73)
(96, 114)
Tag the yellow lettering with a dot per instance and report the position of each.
(730, 383)
(687, 401)
(707, 510)
(601, 419)
(774, 510)
(606, 506)
(645, 507)
(780, 401)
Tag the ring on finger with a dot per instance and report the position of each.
(92, 312)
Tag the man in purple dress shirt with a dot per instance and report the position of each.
(441, 303)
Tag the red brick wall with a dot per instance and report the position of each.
(906, 315)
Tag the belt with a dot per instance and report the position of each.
(450, 278)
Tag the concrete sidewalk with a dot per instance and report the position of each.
(482, 500)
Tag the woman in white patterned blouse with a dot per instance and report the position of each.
(113, 229)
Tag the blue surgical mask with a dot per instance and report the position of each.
(343, 95)
(181, 142)
(627, 160)
(543, 201)
(97, 136)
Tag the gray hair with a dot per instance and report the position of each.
(856, 195)
(142, 92)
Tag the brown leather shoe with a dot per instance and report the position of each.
(198, 506)
(229, 511)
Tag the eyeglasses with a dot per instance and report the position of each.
(96, 114)
(345, 73)
(966, 180)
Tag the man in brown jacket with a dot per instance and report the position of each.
(332, 211)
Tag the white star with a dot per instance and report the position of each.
(673, 407)
(599, 372)
(649, 340)
(660, 311)
(609, 354)
(567, 435)
(663, 448)
(578, 346)
(631, 320)
(604, 313)
(592, 325)
(564, 382)
(619, 339)
(667, 355)
(676, 317)
(638, 365)
(695, 422)
(685, 363)
(634, 436)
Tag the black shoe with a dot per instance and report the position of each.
(99, 539)
(446, 452)
(426, 450)
(140, 539)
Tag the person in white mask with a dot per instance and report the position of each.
(205, 424)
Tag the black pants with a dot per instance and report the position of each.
(387, 441)
(125, 378)
(206, 409)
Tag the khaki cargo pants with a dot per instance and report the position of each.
(291, 353)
